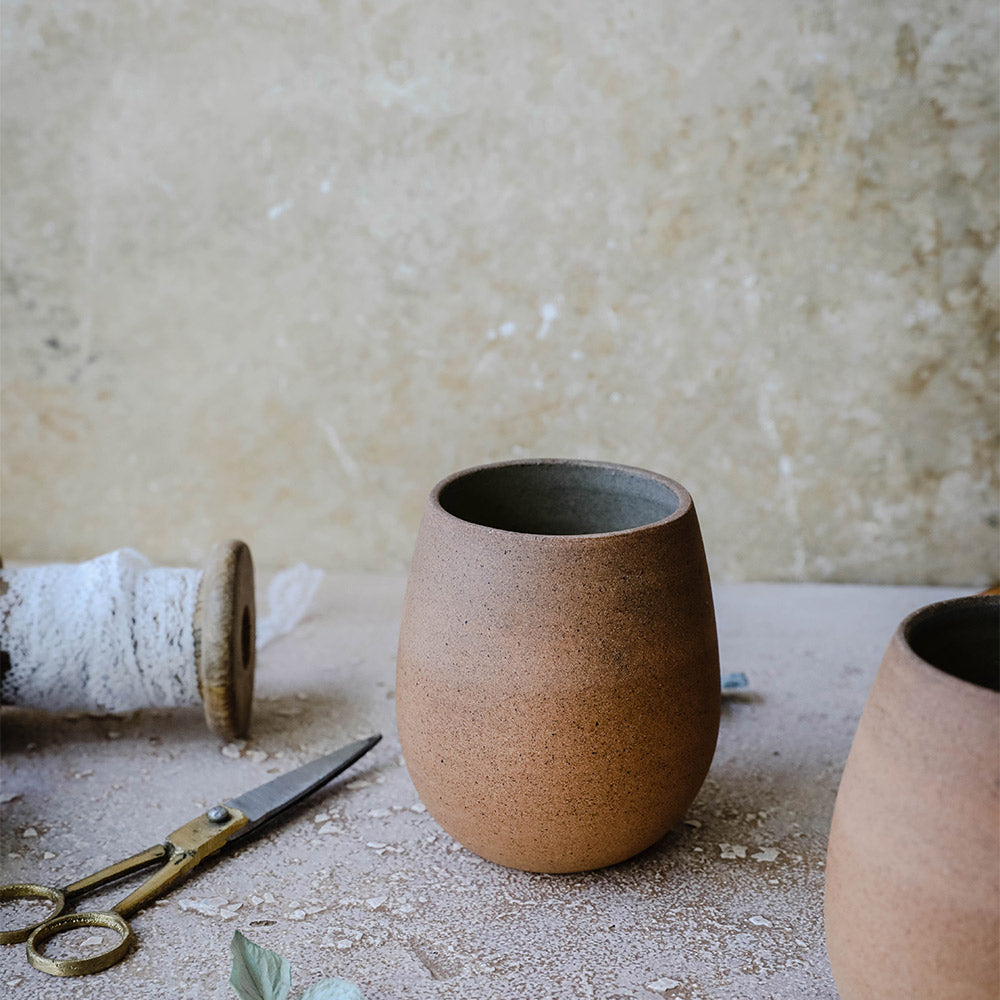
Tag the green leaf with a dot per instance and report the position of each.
(258, 974)
(332, 989)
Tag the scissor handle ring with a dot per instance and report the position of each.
(80, 966)
(29, 890)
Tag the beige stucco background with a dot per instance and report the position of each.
(271, 270)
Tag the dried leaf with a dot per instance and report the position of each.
(257, 973)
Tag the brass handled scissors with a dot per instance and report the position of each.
(222, 826)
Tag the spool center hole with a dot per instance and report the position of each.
(246, 638)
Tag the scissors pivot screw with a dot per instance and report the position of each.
(219, 814)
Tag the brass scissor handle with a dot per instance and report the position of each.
(184, 849)
(29, 890)
(80, 966)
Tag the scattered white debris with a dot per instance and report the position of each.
(344, 943)
(89, 773)
(662, 985)
(357, 783)
(766, 854)
(375, 902)
(376, 846)
(233, 750)
(30, 832)
(731, 851)
(208, 906)
(379, 813)
(418, 807)
(48, 855)
(761, 922)
(328, 828)
(257, 756)
(296, 915)
(321, 817)
(94, 941)
(256, 900)
(696, 823)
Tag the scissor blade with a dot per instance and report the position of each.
(262, 803)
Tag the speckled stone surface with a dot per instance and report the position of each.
(361, 883)
(341, 250)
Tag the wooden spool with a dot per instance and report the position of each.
(225, 639)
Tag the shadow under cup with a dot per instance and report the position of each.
(558, 679)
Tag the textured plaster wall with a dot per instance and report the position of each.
(271, 270)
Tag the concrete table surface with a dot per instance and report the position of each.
(362, 884)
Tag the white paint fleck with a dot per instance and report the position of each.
(549, 312)
(275, 211)
(30, 832)
(662, 985)
(347, 462)
(374, 902)
(758, 921)
(766, 854)
(418, 807)
(208, 906)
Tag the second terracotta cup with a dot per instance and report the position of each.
(558, 675)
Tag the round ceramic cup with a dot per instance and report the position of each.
(912, 884)
(558, 677)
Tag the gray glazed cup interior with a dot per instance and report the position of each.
(960, 638)
(559, 497)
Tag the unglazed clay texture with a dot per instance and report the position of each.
(340, 250)
(913, 872)
(558, 695)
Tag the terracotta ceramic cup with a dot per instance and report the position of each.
(558, 677)
(912, 886)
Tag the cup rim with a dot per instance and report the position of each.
(938, 608)
(684, 502)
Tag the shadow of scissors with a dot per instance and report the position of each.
(221, 826)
